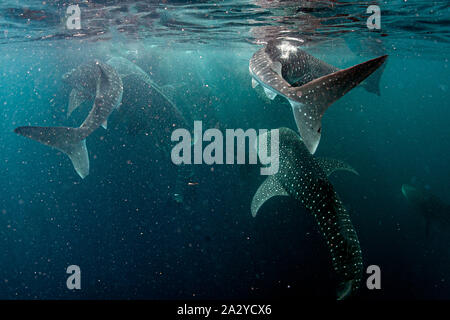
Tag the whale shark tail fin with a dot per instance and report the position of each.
(372, 83)
(64, 139)
(310, 101)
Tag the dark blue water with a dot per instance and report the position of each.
(119, 223)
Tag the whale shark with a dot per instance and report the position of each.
(433, 209)
(305, 178)
(72, 141)
(147, 110)
(85, 90)
(309, 84)
(83, 80)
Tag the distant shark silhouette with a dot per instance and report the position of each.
(304, 178)
(146, 109)
(83, 80)
(309, 84)
(143, 100)
(428, 205)
(108, 95)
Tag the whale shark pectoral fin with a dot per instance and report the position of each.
(331, 165)
(254, 83)
(309, 124)
(105, 124)
(269, 93)
(76, 98)
(268, 189)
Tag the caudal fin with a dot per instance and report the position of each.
(310, 101)
(372, 83)
(64, 139)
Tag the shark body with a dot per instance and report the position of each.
(428, 205)
(106, 84)
(309, 84)
(304, 178)
(83, 80)
(147, 110)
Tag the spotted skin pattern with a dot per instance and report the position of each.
(309, 84)
(302, 178)
(72, 141)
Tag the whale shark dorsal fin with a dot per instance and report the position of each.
(254, 83)
(276, 66)
(121, 65)
(268, 189)
(76, 98)
(331, 165)
(269, 93)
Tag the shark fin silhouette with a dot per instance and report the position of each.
(269, 93)
(372, 83)
(78, 154)
(76, 98)
(61, 138)
(268, 189)
(71, 140)
(331, 165)
(344, 289)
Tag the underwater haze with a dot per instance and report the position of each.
(121, 224)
